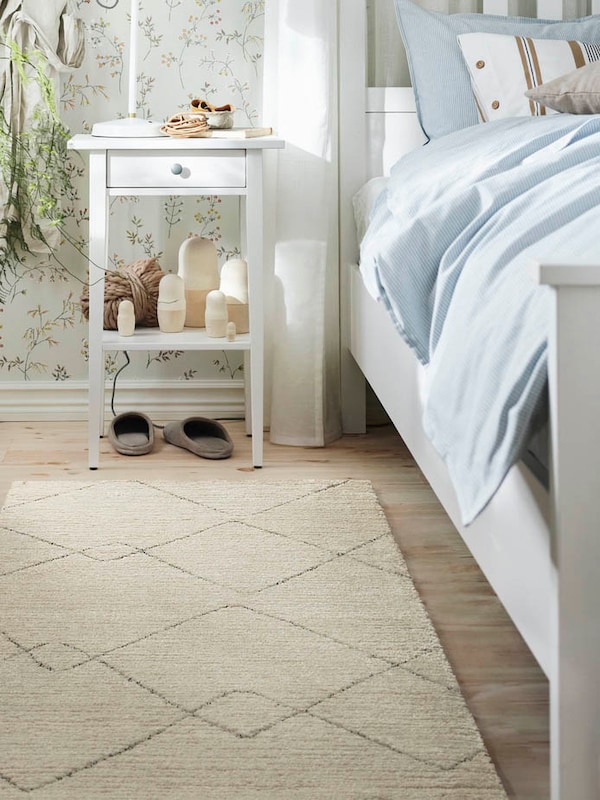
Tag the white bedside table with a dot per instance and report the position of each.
(165, 166)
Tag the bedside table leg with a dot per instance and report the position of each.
(254, 245)
(247, 393)
(95, 402)
(98, 249)
(257, 399)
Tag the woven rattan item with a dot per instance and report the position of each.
(137, 282)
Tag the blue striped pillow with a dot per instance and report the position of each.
(440, 78)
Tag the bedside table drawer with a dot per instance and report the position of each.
(178, 169)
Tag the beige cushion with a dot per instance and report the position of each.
(577, 92)
(504, 68)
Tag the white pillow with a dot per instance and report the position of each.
(503, 68)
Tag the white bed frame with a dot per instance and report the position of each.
(539, 551)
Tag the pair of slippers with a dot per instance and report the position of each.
(132, 434)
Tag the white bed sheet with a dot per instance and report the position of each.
(363, 202)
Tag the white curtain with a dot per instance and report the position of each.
(300, 102)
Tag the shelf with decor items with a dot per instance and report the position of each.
(165, 166)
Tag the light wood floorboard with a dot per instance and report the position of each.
(505, 689)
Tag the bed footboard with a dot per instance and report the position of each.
(574, 380)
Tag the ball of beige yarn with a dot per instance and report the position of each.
(137, 282)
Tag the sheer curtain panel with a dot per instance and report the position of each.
(300, 102)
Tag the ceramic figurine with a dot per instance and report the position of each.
(216, 315)
(126, 318)
(234, 285)
(199, 270)
(171, 304)
(230, 331)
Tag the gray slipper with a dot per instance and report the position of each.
(204, 437)
(131, 433)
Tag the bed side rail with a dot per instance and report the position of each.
(574, 381)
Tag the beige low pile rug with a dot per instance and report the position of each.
(224, 641)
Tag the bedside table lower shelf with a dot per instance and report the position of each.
(187, 339)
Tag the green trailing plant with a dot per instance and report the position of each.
(34, 168)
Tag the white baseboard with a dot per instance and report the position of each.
(39, 401)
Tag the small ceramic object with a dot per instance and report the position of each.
(216, 315)
(220, 119)
(126, 318)
(171, 304)
(216, 116)
(199, 269)
(234, 285)
(231, 331)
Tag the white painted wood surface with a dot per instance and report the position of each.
(539, 550)
(235, 166)
(98, 260)
(574, 379)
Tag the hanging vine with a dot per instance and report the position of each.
(35, 171)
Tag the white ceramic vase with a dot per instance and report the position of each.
(198, 267)
(234, 285)
(171, 304)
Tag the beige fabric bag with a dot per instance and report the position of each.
(49, 27)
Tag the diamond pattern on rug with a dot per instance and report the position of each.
(244, 713)
(105, 713)
(237, 648)
(240, 556)
(25, 492)
(382, 553)
(23, 551)
(236, 502)
(217, 640)
(302, 758)
(356, 710)
(306, 519)
(433, 666)
(108, 552)
(131, 513)
(56, 656)
(7, 648)
(362, 605)
(100, 605)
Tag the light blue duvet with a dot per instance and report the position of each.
(448, 252)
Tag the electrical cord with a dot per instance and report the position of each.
(114, 388)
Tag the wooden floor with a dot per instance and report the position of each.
(505, 689)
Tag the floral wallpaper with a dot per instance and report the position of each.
(187, 48)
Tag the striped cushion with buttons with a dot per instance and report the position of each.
(503, 68)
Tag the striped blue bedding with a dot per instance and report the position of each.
(448, 251)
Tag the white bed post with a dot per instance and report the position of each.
(574, 379)
(352, 22)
